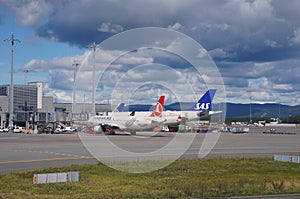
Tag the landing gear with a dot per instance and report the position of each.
(108, 130)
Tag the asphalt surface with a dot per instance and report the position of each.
(26, 151)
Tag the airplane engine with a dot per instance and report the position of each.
(203, 113)
(98, 129)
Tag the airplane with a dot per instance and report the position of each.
(140, 121)
(200, 109)
(171, 119)
(119, 108)
(121, 121)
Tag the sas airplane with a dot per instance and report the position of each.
(200, 109)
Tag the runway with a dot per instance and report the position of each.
(27, 151)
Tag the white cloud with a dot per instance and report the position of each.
(30, 12)
(109, 27)
(137, 59)
(61, 96)
(58, 95)
(260, 84)
(284, 87)
(202, 53)
(209, 26)
(35, 65)
(220, 53)
(141, 72)
(261, 69)
(262, 96)
(295, 40)
(255, 8)
(271, 43)
(60, 63)
(177, 26)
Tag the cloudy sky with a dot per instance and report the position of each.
(254, 44)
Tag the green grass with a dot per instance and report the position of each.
(202, 178)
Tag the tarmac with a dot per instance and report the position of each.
(20, 152)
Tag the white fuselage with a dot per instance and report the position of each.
(141, 120)
(123, 121)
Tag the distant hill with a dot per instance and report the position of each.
(262, 110)
(233, 110)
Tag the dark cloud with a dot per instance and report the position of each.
(81, 23)
(285, 72)
(235, 82)
(251, 30)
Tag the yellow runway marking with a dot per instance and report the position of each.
(50, 152)
(46, 159)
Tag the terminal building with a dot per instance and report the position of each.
(31, 107)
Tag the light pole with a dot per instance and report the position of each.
(93, 47)
(75, 64)
(12, 40)
(25, 77)
(84, 113)
(279, 112)
(250, 114)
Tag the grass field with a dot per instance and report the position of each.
(202, 178)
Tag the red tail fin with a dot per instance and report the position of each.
(158, 108)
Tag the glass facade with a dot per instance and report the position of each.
(4, 90)
(25, 98)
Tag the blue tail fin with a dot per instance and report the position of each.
(120, 107)
(204, 103)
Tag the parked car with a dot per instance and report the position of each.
(17, 129)
(5, 130)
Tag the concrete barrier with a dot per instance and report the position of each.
(287, 158)
(72, 176)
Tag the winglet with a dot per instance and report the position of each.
(158, 108)
(119, 108)
(204, 103)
